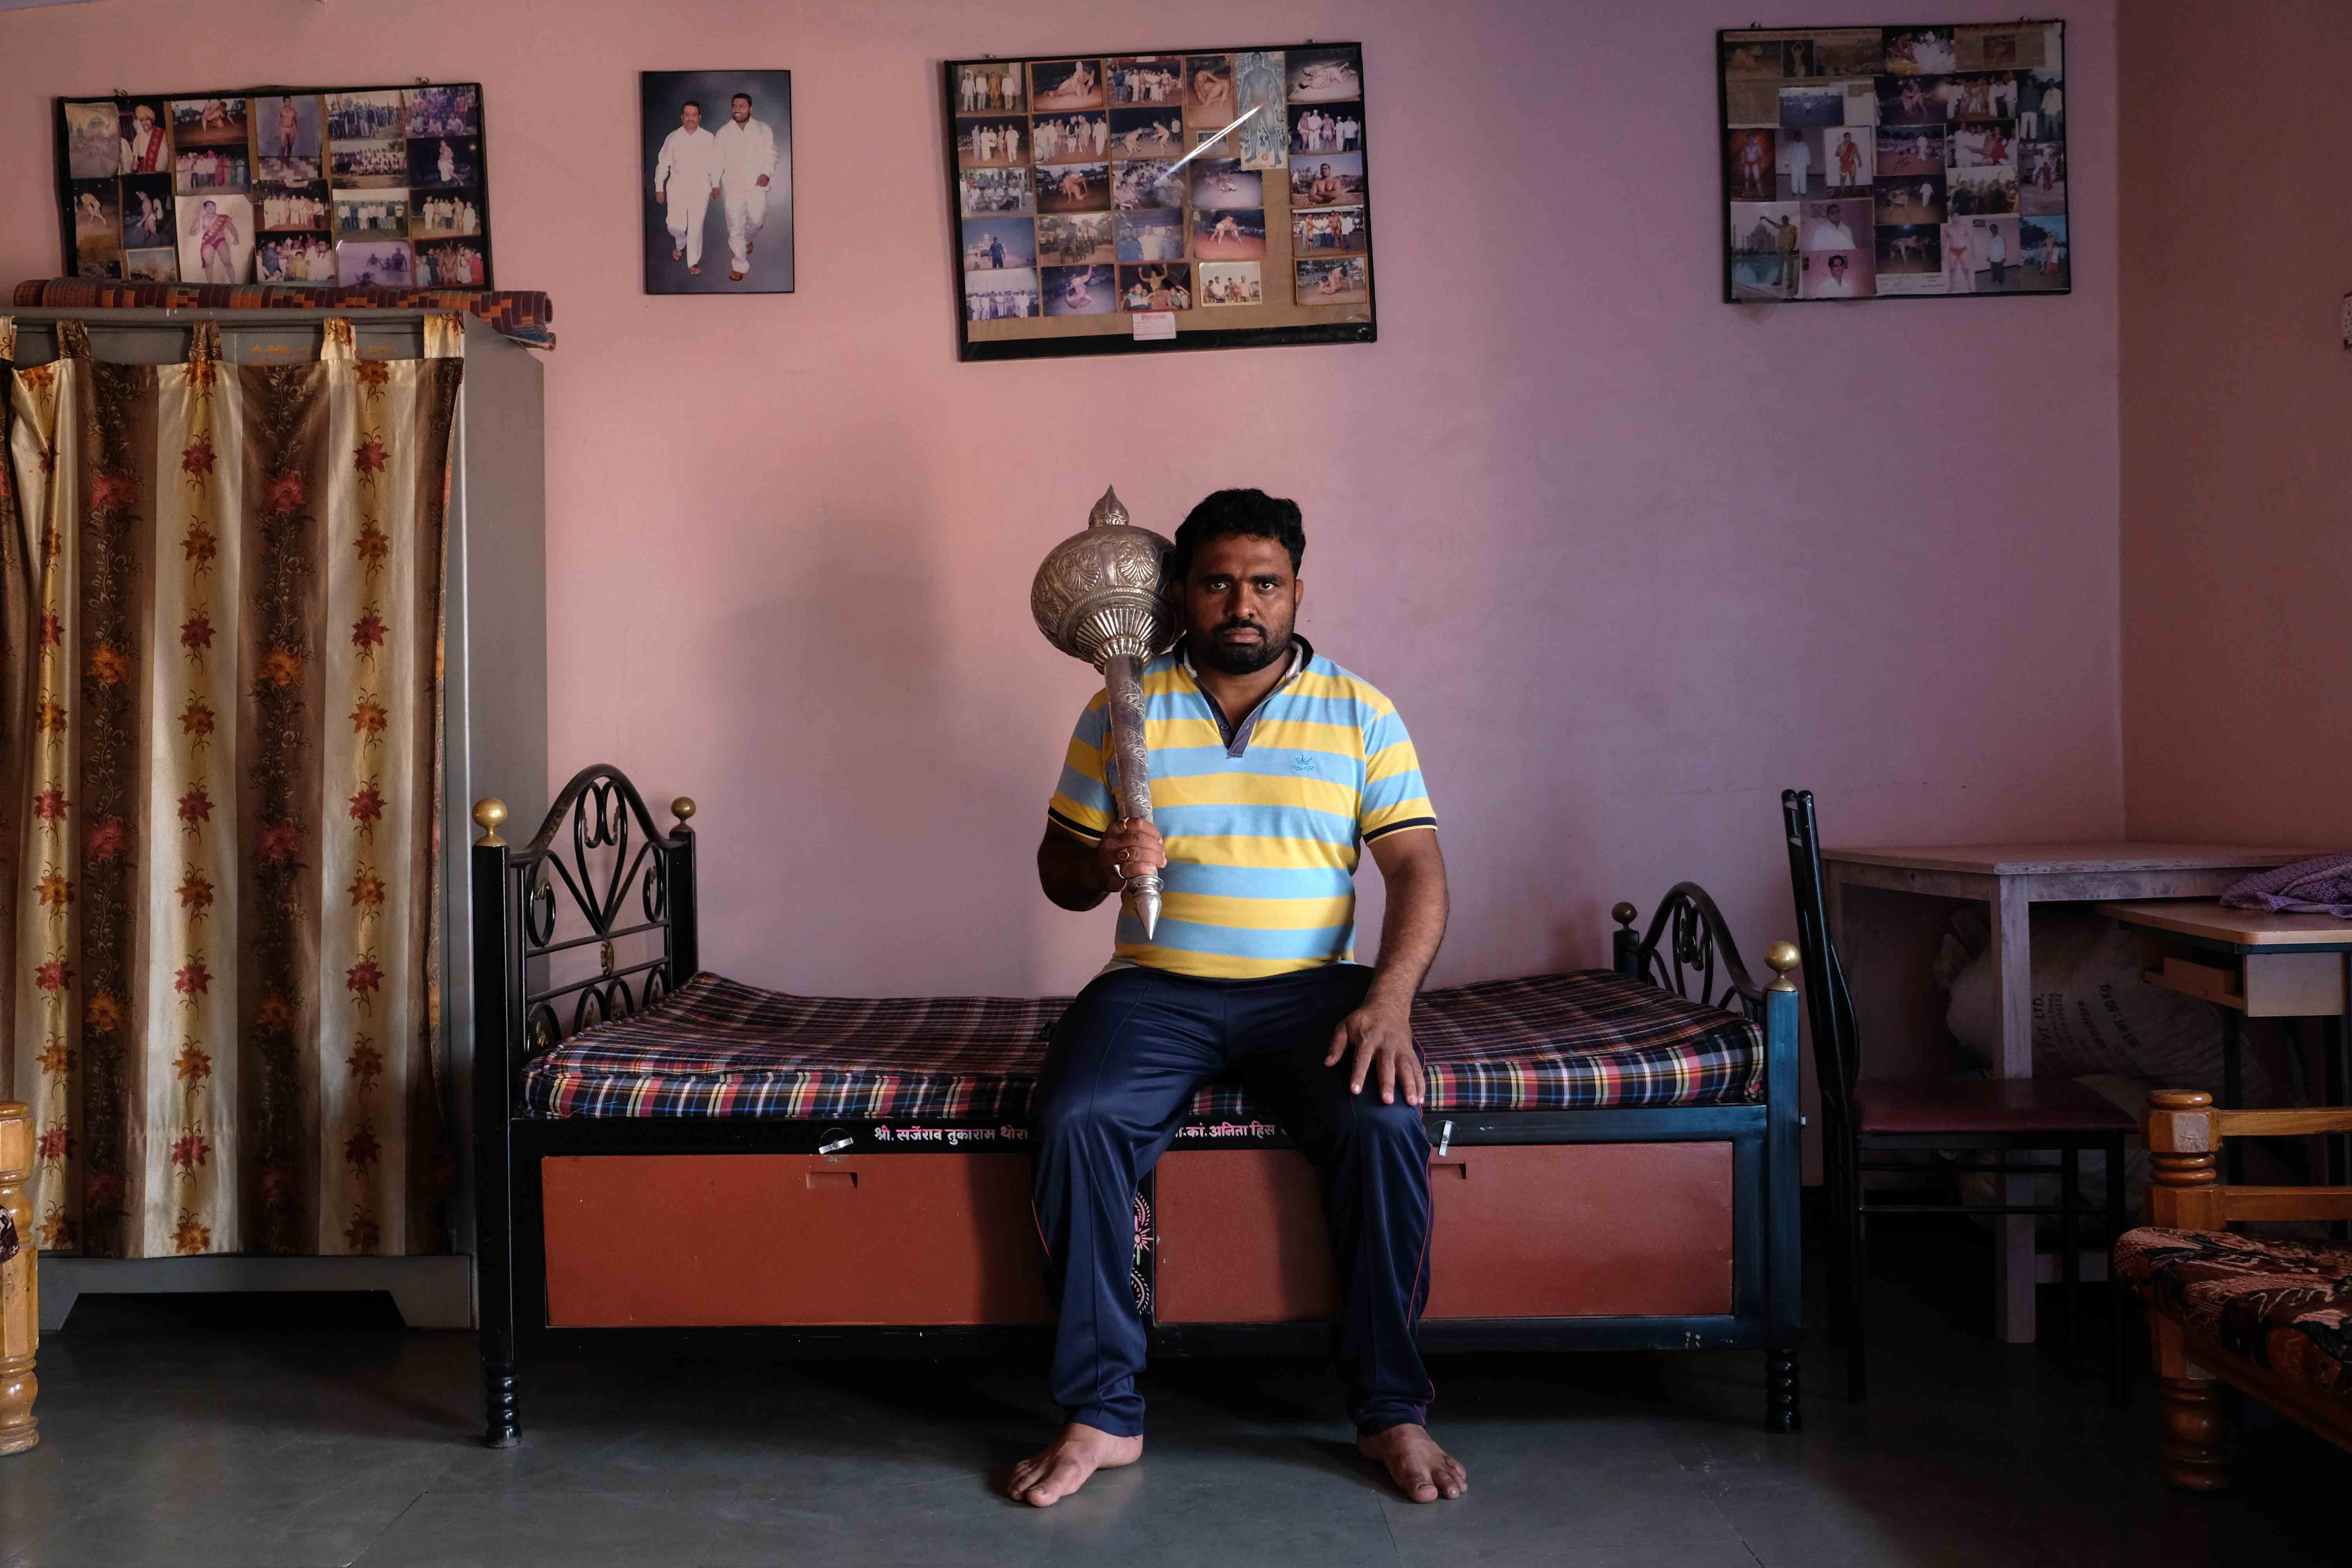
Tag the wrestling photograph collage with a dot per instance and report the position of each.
(1870, 162)
(1200, 183)
(373, 187)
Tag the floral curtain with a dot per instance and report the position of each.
(219, 765)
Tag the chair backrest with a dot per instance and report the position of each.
(1837, 1047)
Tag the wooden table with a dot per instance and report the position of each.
(2254, 963)
(2010, 878)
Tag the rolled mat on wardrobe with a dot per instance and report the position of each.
(521, 314)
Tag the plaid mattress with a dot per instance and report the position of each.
(720, 1048)
(520, 314)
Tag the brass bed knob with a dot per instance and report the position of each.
(489, 811)
(1783, 957)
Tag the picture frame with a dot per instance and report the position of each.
(277, 167)
(1922, 160)
(736, 128)
(1154, 201)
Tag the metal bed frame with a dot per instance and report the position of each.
(599, 860)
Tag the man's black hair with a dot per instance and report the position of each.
(689, 103)
(744, 96)
(1250, 513)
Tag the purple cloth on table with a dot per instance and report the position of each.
(2320, 886)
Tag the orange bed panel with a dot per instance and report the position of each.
(1536, 1231)
(699, 1240)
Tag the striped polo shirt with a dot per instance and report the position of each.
(1263, 824)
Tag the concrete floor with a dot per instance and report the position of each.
(239, 1431)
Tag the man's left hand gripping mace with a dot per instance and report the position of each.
(1098, 597)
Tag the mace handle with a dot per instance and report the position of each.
(1131, 762)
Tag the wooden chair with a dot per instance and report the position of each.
(2262, 1314)
(20, 1307)
(2007, 1116)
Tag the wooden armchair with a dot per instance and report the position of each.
(20, 1286)
(2270, 1317)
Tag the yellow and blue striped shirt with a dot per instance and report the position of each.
(1263, 824)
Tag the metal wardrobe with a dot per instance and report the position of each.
(494, 698)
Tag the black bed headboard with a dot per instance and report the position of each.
(1689, 952)
(593, 919)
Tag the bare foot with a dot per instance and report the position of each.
(1062, 1467)
(1421, 1470)
(677, 256)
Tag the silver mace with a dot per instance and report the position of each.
(1097, 597)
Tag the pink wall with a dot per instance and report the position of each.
(1629, 559)
(2237, 396)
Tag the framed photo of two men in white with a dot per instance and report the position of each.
(716, 187)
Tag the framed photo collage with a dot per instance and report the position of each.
(1108, 204)
(360, 186)
(1872, 162)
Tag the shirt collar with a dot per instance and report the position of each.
(1237, 736)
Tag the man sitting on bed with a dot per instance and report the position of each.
(1271, 764)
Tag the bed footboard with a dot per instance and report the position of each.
(1688, 950)
(552, 921)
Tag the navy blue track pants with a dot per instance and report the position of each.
(1125, 1061)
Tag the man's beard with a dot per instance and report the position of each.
(1245, 658)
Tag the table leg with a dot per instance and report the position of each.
(2234, 1153)
(2335, 1069)
(2070, 1246)
(2012, 958)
